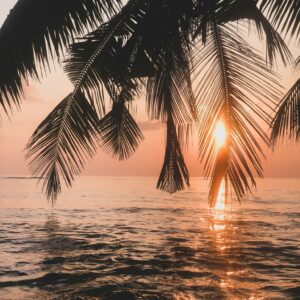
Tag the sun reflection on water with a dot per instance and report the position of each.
(225, 239)
(221, 199)
(220, 230)
(218, 221)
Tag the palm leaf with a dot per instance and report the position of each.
(223, 12)
(233, 76)
(52, 181)
(275, 45)
(62, 142)
(297, 63)
(35, 31)
(101, 60)
(169, 90)
(169, 93)
(166, 101)
(119, 133)
(160, 88)
(287, 118)
(174, 171)
(285, 15)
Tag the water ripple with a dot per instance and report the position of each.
(148, 245)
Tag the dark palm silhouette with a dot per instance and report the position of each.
(287, 117)
(286, 16)
(189, 57)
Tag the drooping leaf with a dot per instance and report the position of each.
(63, 142)
(119, 133)
(240, 91)
(287, 118)
(70, 162)
(223, 12)
(174, 173)
(167, 102)
(103, 57)
(285, 15)
(37, 31)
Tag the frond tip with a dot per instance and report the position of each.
(62, 143)
(174, 171)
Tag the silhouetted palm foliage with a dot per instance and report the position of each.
(119, 133)
(63, 141)
(165, 47)
(286, 16)
(287, 118)
(37, 31)
(226, 93)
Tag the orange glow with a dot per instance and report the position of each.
(220, 134)
(220, 203)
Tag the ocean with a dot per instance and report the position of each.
(120, 238)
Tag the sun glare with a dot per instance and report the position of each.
(220, 202)
(220, 134)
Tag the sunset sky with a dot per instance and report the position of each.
(40, 99)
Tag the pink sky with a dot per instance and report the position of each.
(40, 98)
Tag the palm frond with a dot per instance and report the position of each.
(80, 143)
(287, 117)
(275, 45)
(169, 93)
(63, 142)
(119, 133)
(285, 15)
(103, 58)
(116, 67)
(162, 86)
(223, 12)
(239, 90)
(297, 63)
(174, 171)
(165, 101)
(169, 90)
(37, 31)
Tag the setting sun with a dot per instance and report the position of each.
(220, 134)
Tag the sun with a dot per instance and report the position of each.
(220, 134)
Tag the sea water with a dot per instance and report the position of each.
(120, 238)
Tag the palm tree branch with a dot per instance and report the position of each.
(31, 37)
(223, 12)
(285, 15)
(287, 118)
(119, 133)
(234, 73)
(97, 62)
(174, 171)
(63, 142)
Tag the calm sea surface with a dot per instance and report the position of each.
(120, 238)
